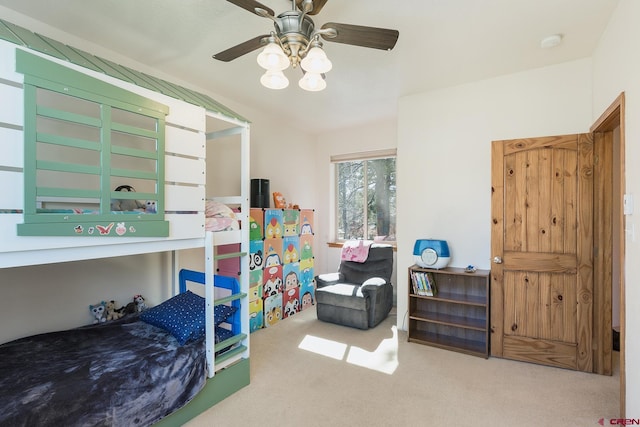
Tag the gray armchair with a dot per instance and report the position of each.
(360, 294)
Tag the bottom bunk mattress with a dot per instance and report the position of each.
(122, 373)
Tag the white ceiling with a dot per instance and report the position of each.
(441, 43)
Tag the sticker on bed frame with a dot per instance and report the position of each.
(105, 229)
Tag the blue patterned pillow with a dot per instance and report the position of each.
(182, 316)
(222, 334)
(223, 312)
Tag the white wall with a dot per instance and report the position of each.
(284, 156)
(616, 69)
(52, 297)
(444, 154)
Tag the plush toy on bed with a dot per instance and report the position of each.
(140, 304)
(151, 207)
(220, 217)
(127, 204)
(99, 312)
(112, 313)
(127, 309)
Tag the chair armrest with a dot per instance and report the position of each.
(373, 287)
(328, 279)
(373, 282)
(380, 295)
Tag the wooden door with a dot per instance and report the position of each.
(541, 241)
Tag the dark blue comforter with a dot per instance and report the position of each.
(123, 373)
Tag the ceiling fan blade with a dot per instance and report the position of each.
(317, 6)
(240, 49)
(251, 5)
(377, 38)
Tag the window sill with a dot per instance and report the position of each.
(339, 245)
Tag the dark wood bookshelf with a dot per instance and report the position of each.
(457, 316)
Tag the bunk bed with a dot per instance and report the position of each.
(43, 221)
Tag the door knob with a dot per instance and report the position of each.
(497, 260)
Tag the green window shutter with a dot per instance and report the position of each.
(82, 138)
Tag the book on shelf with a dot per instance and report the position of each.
(426, 285)
(414, 283)
(432, 283)
(422, 283)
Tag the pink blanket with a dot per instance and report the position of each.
(355, 250)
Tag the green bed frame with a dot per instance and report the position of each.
(222, 385)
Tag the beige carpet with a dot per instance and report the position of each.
(305, 372)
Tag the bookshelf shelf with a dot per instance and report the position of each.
(456, 317)
(449, 319)
(444, 296)
(474, 348)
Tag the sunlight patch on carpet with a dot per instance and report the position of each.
(323, 347)
(383, 359)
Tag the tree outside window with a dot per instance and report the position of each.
(366, 199)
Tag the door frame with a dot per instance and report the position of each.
(613, 117)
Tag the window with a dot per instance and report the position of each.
(365, 196)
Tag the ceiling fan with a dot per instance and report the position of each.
(296, 41)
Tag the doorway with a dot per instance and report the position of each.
(609, 240)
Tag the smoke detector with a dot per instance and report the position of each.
(551, 41)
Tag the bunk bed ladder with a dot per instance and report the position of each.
(239, 342)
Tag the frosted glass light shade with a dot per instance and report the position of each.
(273, 58)
(274, 79)
(316, 61)
(312, 82)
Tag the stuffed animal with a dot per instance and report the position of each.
(99, 312)
(140, 304)
(127, 204)
(279, 201)
(127, 309)
(112, 313)
(151, 207)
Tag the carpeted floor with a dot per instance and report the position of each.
(311, 373)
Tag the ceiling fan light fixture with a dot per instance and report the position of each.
(273, 58)
(313, 82)
(316, 61)
(295, 41)
(274, 79)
